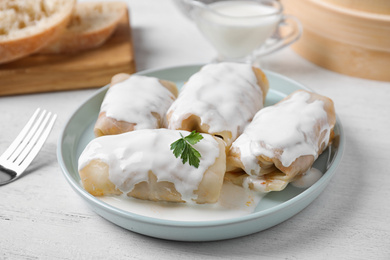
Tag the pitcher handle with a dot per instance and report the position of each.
(289, 31)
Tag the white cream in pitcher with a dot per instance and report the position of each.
(236, 28)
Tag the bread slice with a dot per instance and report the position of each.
(26, 25)
(91, 25)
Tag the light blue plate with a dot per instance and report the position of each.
(273, 209)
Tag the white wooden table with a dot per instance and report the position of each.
(41, 217)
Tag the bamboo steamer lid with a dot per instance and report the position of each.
(372, 6)
(345, 39)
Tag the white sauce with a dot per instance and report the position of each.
(258, 185)
(308, 178)
(134, 99)
(234, 202)
(224, 96)
(130, 156)
(214, 94)
(237, 27)
(288, 126)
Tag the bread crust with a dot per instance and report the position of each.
(20, 47)
(72, 42)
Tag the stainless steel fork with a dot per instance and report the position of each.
(26, 146)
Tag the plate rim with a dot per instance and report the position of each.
(189, 224)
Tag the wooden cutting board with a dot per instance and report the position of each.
(88, 69)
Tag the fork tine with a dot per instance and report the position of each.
(33, 138)
(24, 142)
(38, 144)
(20, 137)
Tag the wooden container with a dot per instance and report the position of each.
(343, 38)
(373, 6)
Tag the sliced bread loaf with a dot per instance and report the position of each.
(92, 23)
(26, 25)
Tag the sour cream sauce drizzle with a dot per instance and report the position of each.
(287, 126)
(234, 201)
(130, 156)
(224, 96)
(307, 179)
(134, 99)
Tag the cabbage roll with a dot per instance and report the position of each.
(134, 102)
(282, 142)
(220, 99)
(140, 164)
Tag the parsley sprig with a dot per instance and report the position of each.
(183, 148)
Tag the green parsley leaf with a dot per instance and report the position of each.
(183, 148)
